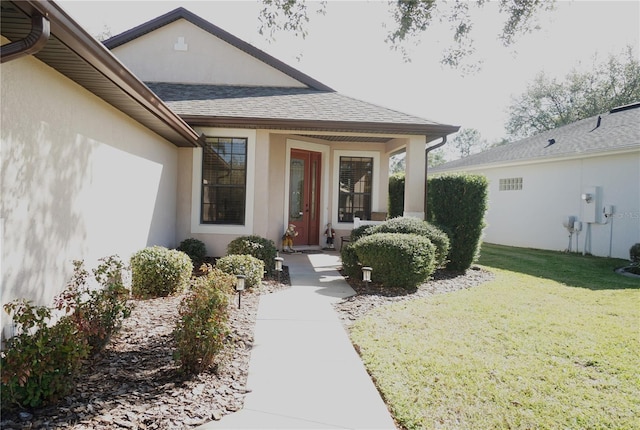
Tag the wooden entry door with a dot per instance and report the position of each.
(304, 196)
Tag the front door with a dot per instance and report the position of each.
(304, 196)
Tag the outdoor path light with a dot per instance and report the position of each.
(279, 261)
(366, 276)
(239, 287)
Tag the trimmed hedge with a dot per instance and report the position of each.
(349, 260)
(396, 195)
(397, 259)
(158, 272)
(258, 247)
(409, 225)
(195, 249)
(458, 202)
(247, 265)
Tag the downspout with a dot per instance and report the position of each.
(426, 167)
(34, 42)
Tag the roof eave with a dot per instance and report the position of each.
(75, 38)
(431, 130)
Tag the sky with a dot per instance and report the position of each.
(345, 49)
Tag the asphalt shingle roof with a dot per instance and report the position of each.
(618, 130)
(275, 103)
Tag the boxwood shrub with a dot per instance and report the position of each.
(409, 225)
(256, 246)
(158, 272)
(247, 265)
(195, 249)
(397, 259)
(349, 259)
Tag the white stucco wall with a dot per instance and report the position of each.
(80, 180)
(532, 217)
(181, 52)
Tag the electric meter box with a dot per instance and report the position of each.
(591, 204)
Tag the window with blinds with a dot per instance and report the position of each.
(224, 180)
(356, 183)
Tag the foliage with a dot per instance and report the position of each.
(159, 272)
(458, 202)
(547, 103)
(195, 249)
(397, 164)
(38, 365)
(634, 254)
(436, 158)
(202, 326)
(349, 258)
(397, 260)
(409, 225)
(518, 352)
(259, 247)
(96, 312)
(468, 141)
(414, 17)
(396, 195)
(247, 265)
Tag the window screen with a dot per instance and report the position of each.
(224, 177)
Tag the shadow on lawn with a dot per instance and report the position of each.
(571, 269)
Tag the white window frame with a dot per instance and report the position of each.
(196, 185)
(375, 186)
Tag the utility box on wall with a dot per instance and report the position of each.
(591, 199)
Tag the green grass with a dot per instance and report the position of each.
(522, 351)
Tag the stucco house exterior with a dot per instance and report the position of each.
(175, 129)
(588, 170)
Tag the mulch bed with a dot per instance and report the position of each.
(135, 384)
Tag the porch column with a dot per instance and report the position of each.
(414, 178)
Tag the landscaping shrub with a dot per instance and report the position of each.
(397, 260)
(258, 247)
(458, 202)
(195, 249)
(96, 313)
(203, 320)
(349, 259)
(396, 195)
(363, 230)
(247, 265)
(39, 364)
(634, 254)
(159, 272)
(409, 225)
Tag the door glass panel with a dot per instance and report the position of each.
(296, 189)
(314, 178)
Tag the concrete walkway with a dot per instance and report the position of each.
(304, 373)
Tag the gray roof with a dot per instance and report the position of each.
(289, 107)
(619, 130)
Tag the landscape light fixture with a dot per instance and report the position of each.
(279, 261)
(239, 287)
(366, 275)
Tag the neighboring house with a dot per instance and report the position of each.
(589, 170)
(220, 140)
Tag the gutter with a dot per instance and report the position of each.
(77, 40)
(34, 42)
(426, 166)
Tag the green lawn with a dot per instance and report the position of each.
(552, 342)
